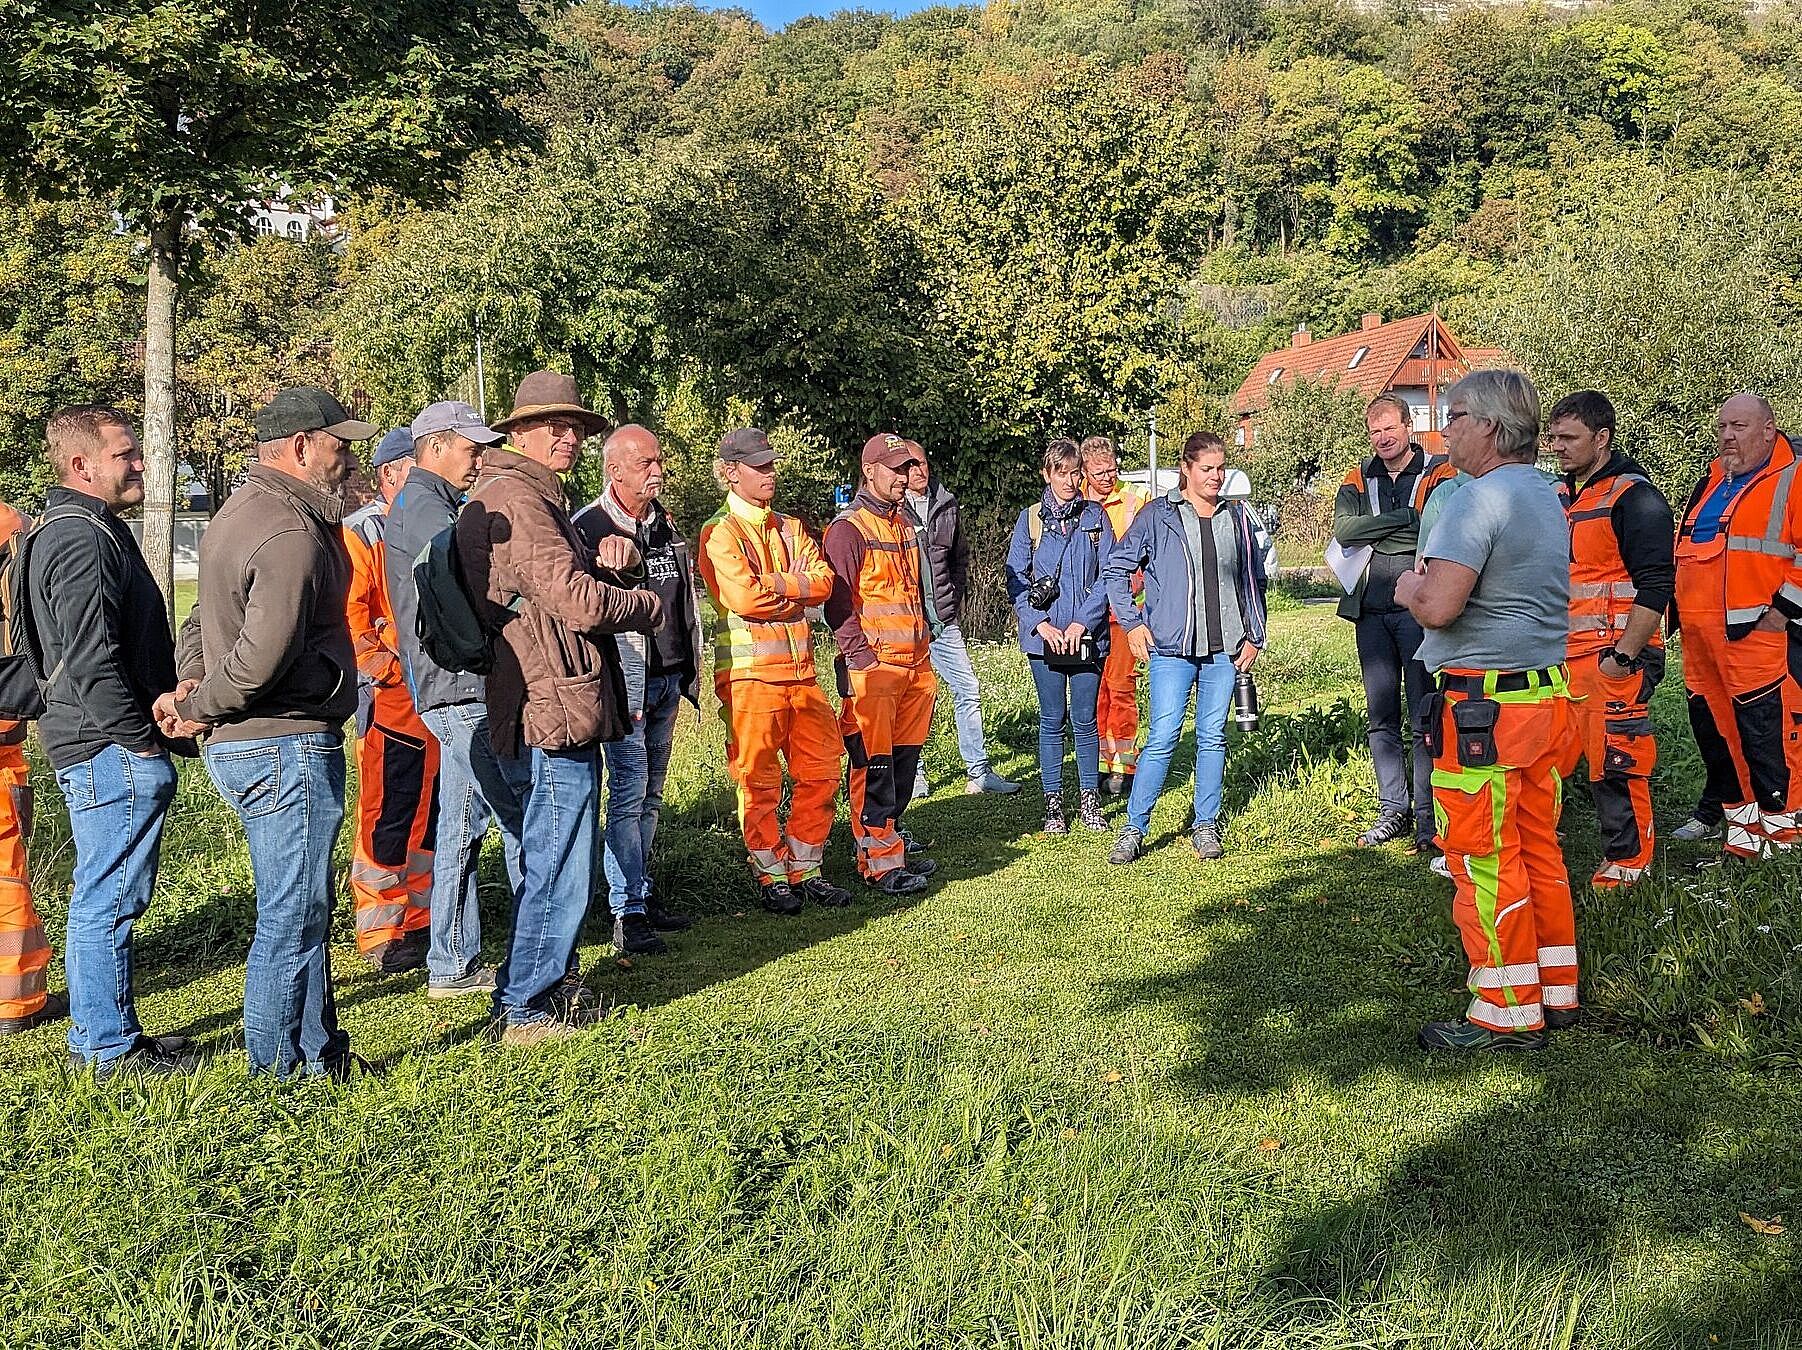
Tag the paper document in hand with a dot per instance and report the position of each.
(1348, 564)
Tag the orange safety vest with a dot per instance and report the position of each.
(1434, 470)
(885, 594)
(775, 649)
(1121, 506)
(1757, 542)
(371, 621)
(1601, 591)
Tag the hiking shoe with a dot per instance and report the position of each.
(56, 1007)
(991, 782)
(1562, 1019)
(921, 866)
(1206, 841)
(898, 881)
(779, 898)
(823, 892)
(634, 936)
(1390, 826)
(912, 842)
(1695, 830)
(1466, 1036)
(392, 958)
(1439, 867)
(478, 980)
(666, 920)
(1054, 814)
(149, 1057)
(1127, 847)
(525, 1035)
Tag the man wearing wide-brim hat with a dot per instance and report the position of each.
(555, 691)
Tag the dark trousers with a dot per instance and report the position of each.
(1386, 647)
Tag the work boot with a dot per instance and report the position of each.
(1088, 811)
(634, 936)
(1127, 847)
(666, 920)
(1390, 825)
(991, 782)
(898, 881)
(1119, 784)
(1467, 1037)
(1205, 839)
(149, 1057)
(779, 898)
(1562, 1019)
(56, 1007)
(393, 958)
(823, 892)
(921, 866)
(477, 980)
(1054, 814)
(1695, 830)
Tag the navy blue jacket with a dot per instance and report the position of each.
(1156, 541)
(1078, 558)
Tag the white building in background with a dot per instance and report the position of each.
(294, 220)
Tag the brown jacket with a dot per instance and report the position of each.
(556, 682)
(267, 638)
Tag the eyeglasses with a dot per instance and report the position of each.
(1455, 414)
(907, 466)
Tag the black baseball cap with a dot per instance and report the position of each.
(747, 445)
(304, 408)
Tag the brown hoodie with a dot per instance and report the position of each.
(556, 682)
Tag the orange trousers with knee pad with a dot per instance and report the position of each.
(24, 950)
(1496, 799)
(1117, 708)
(391, 861)
(1612, 733)
(886, 717)
(769, 722)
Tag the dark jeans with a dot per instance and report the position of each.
(1386, 647)
(1075, 692)
(472, 791)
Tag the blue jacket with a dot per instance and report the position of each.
(1157, 543)
(1079, 561)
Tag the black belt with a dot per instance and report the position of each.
(1508, 682)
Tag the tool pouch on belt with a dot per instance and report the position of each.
(1474, 722)
(1432, 722)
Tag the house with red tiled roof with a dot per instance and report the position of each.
(1417, 358)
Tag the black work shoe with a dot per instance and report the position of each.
(1088, 811)
(1205, 839)
(1467, 1037)
(1127, 847)
(912, 842)
(1054, 815)
(402, 954)
(56, 1007)
(1390, 826)
(1562, 1019)
(823, 892)
(921, 866)
(667, 920)
(149, 1057)
(779, 898)
(634, 936)
(348, 1067)
(898, 881)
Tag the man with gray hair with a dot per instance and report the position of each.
(1496, 615)
(662, 667)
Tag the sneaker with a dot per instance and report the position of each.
(779, 898)
(1088, 811)
(1054, 814)
(822, 892)
(666, 920)
(1562, 1019)
(1695, 830)
(912, 842)
(479, 980)
(525, 1035)
(149, 1057)
(898, 881)
(1390, 826)
(991, 782)
(1466, 1036)
(921, 866)
(1439, 867)
(634, 936)
(56, 1007)
(1127, 847)
(1206, 841)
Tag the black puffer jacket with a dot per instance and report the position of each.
(947, 553)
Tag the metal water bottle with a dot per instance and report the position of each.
(1245, 702)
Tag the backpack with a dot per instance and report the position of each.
(449, 619)
(23, 684)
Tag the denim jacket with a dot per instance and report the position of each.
(1078, 555)
(1156, 541)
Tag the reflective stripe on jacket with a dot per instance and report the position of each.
(884, 599)
(762, 570)
(1757, 542)
(1602, 593)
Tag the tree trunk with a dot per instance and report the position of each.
(159, 404)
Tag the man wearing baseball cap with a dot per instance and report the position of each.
(877, 611)
(397, 760)
(762, 571)
(268, 674)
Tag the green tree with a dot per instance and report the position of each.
(181, 115)
(1310, 433)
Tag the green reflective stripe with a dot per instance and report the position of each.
(1486, 877)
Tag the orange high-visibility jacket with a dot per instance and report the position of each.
(1602, 592)
(762, 570)
(371, 619)
(886, 602)
(1759, 537)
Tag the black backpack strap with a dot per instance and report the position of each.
(34, 645)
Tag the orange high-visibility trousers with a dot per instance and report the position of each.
(1117, 708)
(391, 861)
(1612, 732)
(885, 718)
(1498, 825)
(768, 722)
(24, 950)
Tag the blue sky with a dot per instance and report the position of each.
(774, 14)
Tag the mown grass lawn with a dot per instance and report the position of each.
(1048, 1104)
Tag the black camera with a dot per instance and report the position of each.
(1043, 593)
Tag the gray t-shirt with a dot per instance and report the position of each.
(1510, 528)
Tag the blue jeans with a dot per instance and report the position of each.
(951, 659)
(1172, 679)
(117, 804)
(289, 793)
(472, 791)
(557, 791)
(1075, 692)
(636, 769)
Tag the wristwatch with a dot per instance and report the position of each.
(1625, 662)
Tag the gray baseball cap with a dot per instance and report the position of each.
(457, 417)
